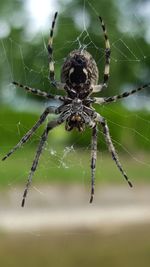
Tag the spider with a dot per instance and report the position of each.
(79, 79)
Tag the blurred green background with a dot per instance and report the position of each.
(24, 34)
(24, 29)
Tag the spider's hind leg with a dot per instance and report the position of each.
(107, 54)
(104, 84)
(51, 61)
(50, 52)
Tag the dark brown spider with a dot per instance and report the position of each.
(79, 79)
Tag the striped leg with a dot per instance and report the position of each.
(55, 83)
(44, 136)
(99, 87)
(111, 147)
(93, 160)
(125, 94)
(37, 91)
(27, 136)
(50, 52)
(107, 100)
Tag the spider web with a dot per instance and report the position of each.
(57, 153)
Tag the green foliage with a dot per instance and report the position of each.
(26, 61)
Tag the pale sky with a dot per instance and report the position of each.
(41, 12)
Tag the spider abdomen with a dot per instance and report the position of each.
(79, 72)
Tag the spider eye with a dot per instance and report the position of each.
(79, 61)
(78, 75)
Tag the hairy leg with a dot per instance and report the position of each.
(125, 94)
(50, 52)
(111, 147)
(93, 160)
(99, 87)
(52, 79)
(27, 136)
(38, 92)
(44, 136)
(107, 100)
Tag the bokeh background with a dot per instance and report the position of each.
(58, 226)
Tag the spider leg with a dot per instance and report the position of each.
(99, 87)
(93, 160)
(50, 51)
(44, 136)
(99, 100)
(107, 100)
(55, 83)
(37, 91)
(27, 136)
(111, 147)
(125, 94)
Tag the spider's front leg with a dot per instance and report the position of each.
(93, 159)
(44, 136)
(111, 147)
(50, 126)
(27, 136)
(89, 118)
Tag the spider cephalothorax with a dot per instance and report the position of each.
(79, 73)
(79, 78)
(76, 118)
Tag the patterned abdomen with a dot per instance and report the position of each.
(79, 71)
